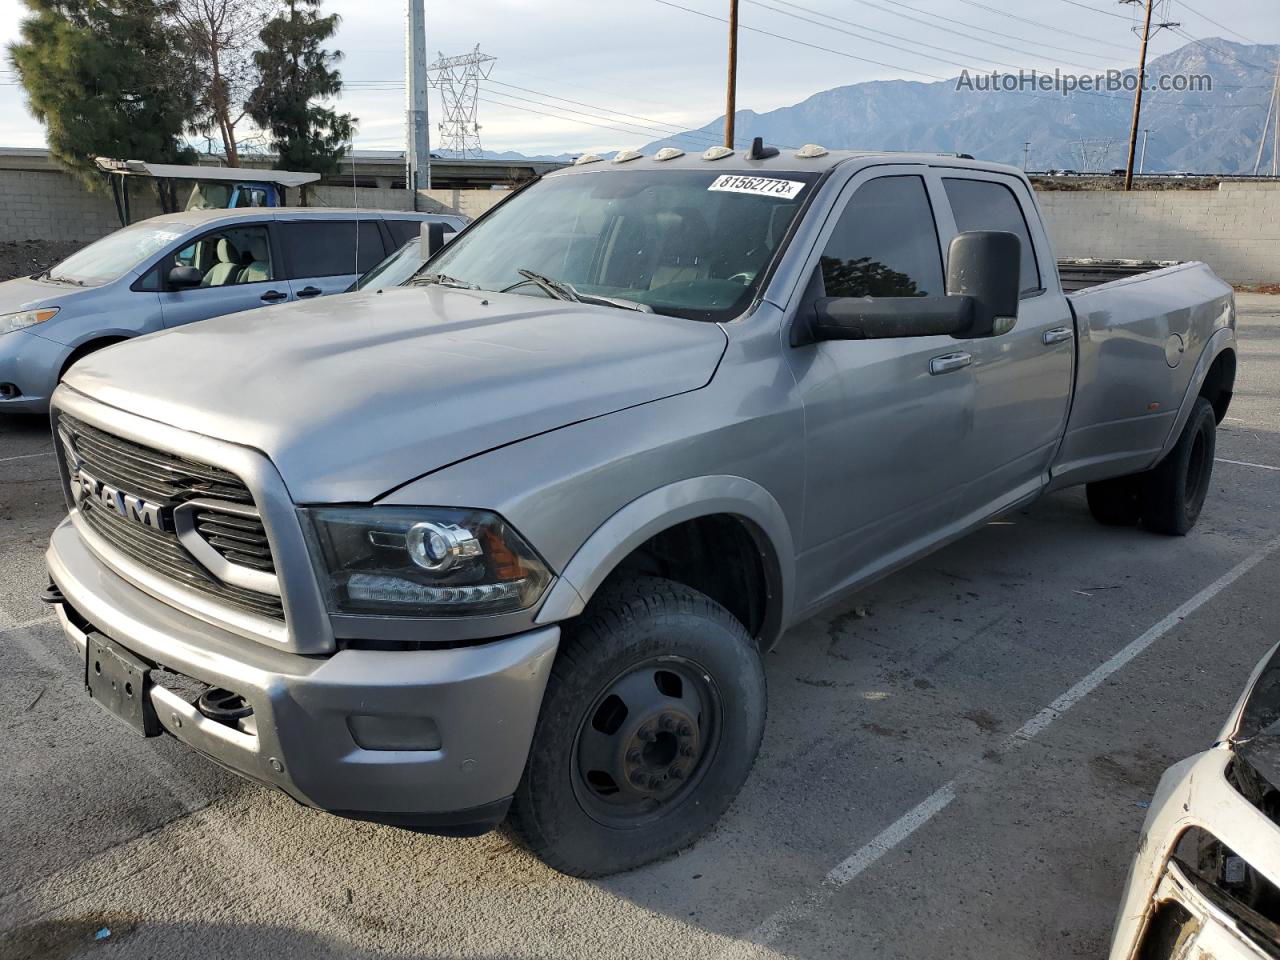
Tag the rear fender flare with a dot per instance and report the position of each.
(1224, 339)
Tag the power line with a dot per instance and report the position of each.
(1105, 13)
(859, 36)
(831, 17)
(1220, 26)
(970, 36)
(803, 43)
(1037, 23)
(557, 116)
(650, 130)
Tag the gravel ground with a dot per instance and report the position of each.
(892, 813)
(25, 257)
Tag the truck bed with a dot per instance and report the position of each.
(1080, 274)
(1141, 329)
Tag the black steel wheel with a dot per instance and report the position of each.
(637, 752)
(1173, 493)
(645, 744)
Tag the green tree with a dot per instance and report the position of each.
(106, 78)
(296, 75)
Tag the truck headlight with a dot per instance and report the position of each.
(423, 562)
(10, 322)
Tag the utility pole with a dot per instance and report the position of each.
(417, 154)
(1026, 154)
(731, 95)
(1271, 105)
(1142, 163)
(1137, 93)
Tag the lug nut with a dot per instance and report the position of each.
(686, 751)
(667, 722)
(638, 779)
(685, 730)
(645, 733)
(633, 755)
(655, 782)
(677, 773)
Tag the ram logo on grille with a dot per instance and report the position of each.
(134, 509)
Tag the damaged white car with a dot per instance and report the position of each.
(1206, 879)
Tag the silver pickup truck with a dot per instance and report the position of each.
(509, 542)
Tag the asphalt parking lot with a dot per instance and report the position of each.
(956, 764)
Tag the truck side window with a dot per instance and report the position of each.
(327, 248)
(885, 243)
(986, 205)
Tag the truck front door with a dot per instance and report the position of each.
(886, 421)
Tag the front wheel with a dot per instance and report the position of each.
(651, 722)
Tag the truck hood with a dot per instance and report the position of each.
(351, 396)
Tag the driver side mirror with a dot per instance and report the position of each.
(983, 289)
(432, 239)
(184, 278)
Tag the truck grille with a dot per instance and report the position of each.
(169, 480)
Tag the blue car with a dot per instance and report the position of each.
(179, 268)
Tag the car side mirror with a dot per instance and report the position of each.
(986, 266)
(184, 278)
(432, 239)
(983, 289)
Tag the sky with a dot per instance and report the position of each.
(575, 75)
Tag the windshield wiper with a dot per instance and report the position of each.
(562, 290)
(57, 279)
(443, 280)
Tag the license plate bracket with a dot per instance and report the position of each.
(120, 683)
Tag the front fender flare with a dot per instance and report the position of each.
(666, 507)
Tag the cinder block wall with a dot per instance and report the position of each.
(366, 198)
(1235, 229)
(50, 205)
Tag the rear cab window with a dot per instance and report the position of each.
(988, 205)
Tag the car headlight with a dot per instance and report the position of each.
(423, 562)
(10, 322)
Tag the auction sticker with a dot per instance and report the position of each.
(759, 186)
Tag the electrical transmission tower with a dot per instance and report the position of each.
(458, 79)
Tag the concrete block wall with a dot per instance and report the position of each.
(470, 203)
(1234, 229)
(366, 198)
(50, 205)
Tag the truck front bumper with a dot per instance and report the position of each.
(1165, 912)
(433, 739)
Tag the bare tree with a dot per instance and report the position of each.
(221, 37)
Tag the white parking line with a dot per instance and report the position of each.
(1245, 463)
(865, 857)
(26, 456)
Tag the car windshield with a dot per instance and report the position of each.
(115, 254)
(690, 243)
(395, 269)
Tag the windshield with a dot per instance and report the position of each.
(115, 254)
(394, 270)
(689, 243)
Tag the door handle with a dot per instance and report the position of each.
(1057, 335)
(274, 296)
(310, 292)
(948, 362)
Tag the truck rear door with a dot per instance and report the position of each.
(1023, 378)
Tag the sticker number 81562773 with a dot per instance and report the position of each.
(760, 186)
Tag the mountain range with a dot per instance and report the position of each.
(1202, 131)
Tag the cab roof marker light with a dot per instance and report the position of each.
(716, 153)
(587, 158)
(623, 156)
(811, 151)
(668, 153)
